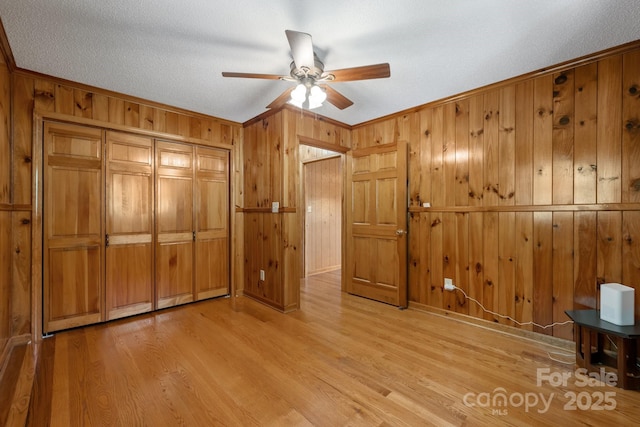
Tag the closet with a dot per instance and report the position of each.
(131, 224)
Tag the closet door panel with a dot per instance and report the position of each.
(73, 226)
(174, 274)
(174, 224)
(212, 218)
(129, 251)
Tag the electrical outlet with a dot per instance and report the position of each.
(448, 284)
(262, 275)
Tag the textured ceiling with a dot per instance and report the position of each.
(173, 52)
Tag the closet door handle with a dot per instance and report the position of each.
(106, 241)
(194, 236)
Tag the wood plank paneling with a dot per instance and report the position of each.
(450, 258)
(491, 263)
(504, 293)
(524, 276)
(5, 275)
(21, 273)
(436, 172)
(631, 130)
(609, 144)
(449, 154)
(584, 144)
(563, 128)
(23, 88)
(543, 270)
(563, 280)
(524, 113)
(476, 262)
(491, 167)
(506, 146)
(631, 255)
(5, 135)
(585, 293)
(462, 153)
(543, 141)
(609, 244)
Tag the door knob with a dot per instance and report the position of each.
(400, 232)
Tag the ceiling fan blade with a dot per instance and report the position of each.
(252, 75)
(336, 98)
(301, 48)
(281, 99)
(366, 72)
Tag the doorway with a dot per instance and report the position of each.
(322, 201)
(323, 215)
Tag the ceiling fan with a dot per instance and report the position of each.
(311, 78)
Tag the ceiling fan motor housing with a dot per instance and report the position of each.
(308, 76)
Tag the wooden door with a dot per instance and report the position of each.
(129, 225)
(73, 226)
(212, 222)
(376, 258)
(175, 230)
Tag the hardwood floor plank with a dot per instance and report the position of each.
(339, 360)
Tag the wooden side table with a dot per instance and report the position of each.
(624, 364)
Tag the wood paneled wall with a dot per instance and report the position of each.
(6, 214)
(272, 241)
(534, 192)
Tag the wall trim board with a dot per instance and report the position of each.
(307, 113)
(305, 140)
(114, 94)
(565, 345)
(563, 66)
(603, 207)
(64, 118)
(319, 159)
(266, 301)
(281, 209)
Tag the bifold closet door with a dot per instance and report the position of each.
(212, 223)
(73, 188)
(175, 230)
(129, 225)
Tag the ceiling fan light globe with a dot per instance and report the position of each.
(299, 94)
(316, 97)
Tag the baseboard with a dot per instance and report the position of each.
(324, 270)
(560, 343)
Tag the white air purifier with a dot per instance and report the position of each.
(617, 304)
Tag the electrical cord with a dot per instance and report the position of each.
(572, 362)
(502, 316)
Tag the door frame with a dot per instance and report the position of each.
(304, 206)
(342, 152)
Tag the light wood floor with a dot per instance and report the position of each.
(339, 360)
